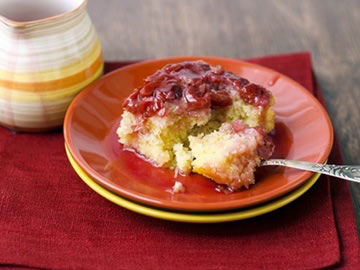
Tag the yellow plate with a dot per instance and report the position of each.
(192, 217)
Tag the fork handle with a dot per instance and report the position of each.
(351, 173)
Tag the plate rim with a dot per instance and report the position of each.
(188, 206)
(219, 217)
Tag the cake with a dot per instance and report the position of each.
(197, 118)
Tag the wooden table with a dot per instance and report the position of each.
(144, 29)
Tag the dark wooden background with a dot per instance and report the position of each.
(330, 30)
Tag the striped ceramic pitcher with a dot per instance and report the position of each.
(49, 51)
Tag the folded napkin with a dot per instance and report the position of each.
(50, 219)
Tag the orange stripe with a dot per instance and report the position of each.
(55, 84)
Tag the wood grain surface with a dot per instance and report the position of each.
(330, 30)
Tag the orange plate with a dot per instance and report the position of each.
(303, 132)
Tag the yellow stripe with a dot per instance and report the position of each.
(54, 85)
(31, 97)
(55, 73)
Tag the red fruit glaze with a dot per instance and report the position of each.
(192, 86)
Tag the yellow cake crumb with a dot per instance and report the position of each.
(183, 158)
(178, 187)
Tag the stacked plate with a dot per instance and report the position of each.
(303, 132)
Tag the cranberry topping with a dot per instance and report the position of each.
(267, 149)
(192, 86)
(255, 94)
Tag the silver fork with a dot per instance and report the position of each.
(351, 173)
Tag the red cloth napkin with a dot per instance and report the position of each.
(50, 219)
